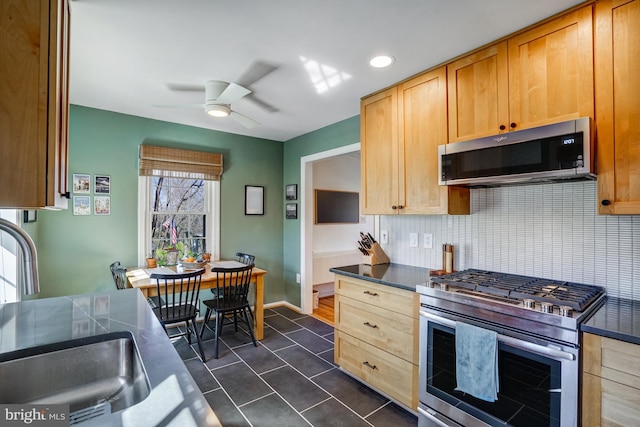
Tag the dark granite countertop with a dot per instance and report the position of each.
(396, 275)
(618, 318)
(174, 400)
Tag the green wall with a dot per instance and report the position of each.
(75, 251)
(336, 135)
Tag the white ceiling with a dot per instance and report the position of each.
(124, 53)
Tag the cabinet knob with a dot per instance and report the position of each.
(502, 127)
(400, 207)
(605, 202)
(513, 125)
(394, 207)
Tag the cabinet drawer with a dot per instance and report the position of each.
(390, 331)
(386, 297)
(612, 359)
(389, 374)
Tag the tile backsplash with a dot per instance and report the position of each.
(547, 230)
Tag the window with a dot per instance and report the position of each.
(178, 210)
(178, 201)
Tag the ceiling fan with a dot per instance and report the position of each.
(219, 95)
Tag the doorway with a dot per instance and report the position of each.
(307, 186)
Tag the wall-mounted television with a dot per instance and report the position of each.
(337, 207)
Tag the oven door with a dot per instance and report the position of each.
(538, 381)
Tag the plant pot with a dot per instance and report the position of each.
(172, 257)
(152, 263)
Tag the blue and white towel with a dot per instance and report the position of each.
(477, 362)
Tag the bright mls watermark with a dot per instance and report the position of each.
(34, 415)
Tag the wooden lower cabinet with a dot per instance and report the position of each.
(610, 382)
(376, 336)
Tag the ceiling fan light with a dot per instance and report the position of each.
(218, 110)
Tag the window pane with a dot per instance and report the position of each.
(177, 195)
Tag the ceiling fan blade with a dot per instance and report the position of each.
(232, 93)
(179, 105)
(185, 87)
(256, 71)
(243, 120)
(263, 104)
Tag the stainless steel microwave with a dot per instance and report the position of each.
(561, 151)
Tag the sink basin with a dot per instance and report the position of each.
(94, 376)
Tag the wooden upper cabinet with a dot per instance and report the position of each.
(34, 102)
(538, 77)
(422, 110)
(617, 67)
(551, 71)
(478, 94)
(401, 129)
(378, 152)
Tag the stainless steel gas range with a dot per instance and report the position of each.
(537, 322)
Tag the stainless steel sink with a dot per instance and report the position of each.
(103, 371)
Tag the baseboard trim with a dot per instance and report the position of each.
(283, 303)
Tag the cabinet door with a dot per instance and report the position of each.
(617, 59)
(34, 103)
(478, 94)
(422, 114)
(379, 153)
(551, 72)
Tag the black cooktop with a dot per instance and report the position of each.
(575, 295)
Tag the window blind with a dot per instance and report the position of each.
(179, 163)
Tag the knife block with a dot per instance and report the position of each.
(376, 256)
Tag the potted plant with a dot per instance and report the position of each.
(151, 261)
(170, 255)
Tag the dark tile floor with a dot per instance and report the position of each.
(288, 380)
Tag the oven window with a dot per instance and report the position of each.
(524, 398)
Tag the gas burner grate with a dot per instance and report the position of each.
(574, 295)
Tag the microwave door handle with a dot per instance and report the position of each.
(513, 342)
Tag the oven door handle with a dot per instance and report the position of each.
(513, 342)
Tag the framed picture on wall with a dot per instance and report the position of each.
(292, 192)
(102, 184)
(101, 205)
(81, 183)
(82, 205)
(292, 211)
(253, 200)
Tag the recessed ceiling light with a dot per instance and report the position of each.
(381, 61)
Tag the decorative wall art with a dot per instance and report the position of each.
(292, 192)
(30, 215)
(292, 211)
(81, 183)
(253, 200)
(82, 205)
(102, 184)
(101, 205)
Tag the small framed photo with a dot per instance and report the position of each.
(253, 200)
(81, 183)
(102, 184)
(30, 215)
(82, 205)
(291, 192)
(292, 211)
(101, 205)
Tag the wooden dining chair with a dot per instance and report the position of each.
(245, 258)
(181, 304)
(230, 298)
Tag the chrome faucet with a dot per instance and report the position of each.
(29, 255)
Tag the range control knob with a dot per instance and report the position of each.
(565, 311)
(529, 303)
(444, 287)
(546, 307)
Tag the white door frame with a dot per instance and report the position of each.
(306, 225)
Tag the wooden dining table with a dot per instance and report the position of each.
(140, 278)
